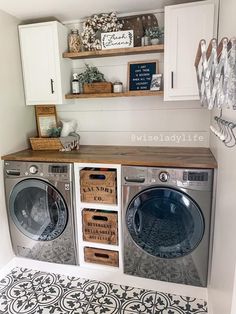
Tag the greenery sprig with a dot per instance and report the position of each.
(90, 75)
(155, 32)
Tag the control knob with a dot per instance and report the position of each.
(163, 176)
(33, 169)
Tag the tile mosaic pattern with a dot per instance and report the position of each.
(26, 291)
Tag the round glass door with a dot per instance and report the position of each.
(38, 210)
(165, 222)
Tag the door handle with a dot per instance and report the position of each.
(172, 79)
(138, 222)
(52, 86)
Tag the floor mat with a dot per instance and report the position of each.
(26, 291)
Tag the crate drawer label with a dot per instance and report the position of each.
(97, 188)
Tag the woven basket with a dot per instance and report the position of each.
(43, 143)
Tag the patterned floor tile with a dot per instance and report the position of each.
(122, 296)
(26, 291)
(70, 282)
(100, 309)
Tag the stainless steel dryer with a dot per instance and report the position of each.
(166, 221)
(40, 210)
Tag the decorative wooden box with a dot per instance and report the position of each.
(98, 186)
(100, 226)
(100, 256)
(98, 87)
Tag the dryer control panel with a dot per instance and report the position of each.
(197, 179)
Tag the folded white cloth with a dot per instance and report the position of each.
(70, 142)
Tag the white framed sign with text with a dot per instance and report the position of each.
(121, 39)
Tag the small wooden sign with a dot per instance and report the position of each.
(46, 118)
(121, 39)
(140, 74)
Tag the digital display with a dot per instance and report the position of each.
(58, 169)
(195, 176)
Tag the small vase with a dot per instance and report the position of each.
(155, 41)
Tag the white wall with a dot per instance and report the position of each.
(224, 250)
(147, 121)
(16, 119)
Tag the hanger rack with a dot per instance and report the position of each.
(216, 73)
(225, 131)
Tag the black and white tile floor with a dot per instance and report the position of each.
(26, 291)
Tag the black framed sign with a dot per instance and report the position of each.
(140, 74)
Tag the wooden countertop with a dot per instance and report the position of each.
(185, 157)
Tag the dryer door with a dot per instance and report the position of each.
(165, 222)
(38, 210)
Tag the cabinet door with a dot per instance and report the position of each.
(185, 26)
(38, 53)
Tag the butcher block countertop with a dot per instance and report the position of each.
(185, 157)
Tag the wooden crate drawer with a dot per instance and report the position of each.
(97, 88)
(100, 226)
(98, 186)
(100, 256)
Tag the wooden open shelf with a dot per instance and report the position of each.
(114, 52)
(107, 95)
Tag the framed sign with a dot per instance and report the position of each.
(156, 82)
(46, 118)
(140, 74)
(121, 39)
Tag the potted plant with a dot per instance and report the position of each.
(94, 81)
(155, 33)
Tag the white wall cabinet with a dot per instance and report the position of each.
(185, 26)
(46, 74)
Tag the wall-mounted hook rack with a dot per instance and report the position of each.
(225, 131)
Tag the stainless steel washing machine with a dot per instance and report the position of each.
(166, 221)
(40, 210)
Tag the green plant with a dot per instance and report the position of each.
(155, 32)
(54, 132)
(90, 75)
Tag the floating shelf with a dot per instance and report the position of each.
(114, 52)
(111, 95)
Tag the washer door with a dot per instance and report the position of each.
(38, 210)
(165, 222)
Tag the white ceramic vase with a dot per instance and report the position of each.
(155, 41)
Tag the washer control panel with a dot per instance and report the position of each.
(53, 171)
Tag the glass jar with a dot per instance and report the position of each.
(74, 42)
(117, 87)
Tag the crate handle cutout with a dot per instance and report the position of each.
(101, 255)
(97, 177)
(100, 218)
